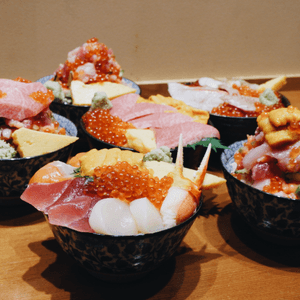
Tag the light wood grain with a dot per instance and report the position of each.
(220, 258)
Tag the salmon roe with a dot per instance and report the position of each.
(275, 186)
(127, 183)
(100, 55)
(2, 94)
(225, 109)
(245, 90)
(43, 98)
(20, 79)
(102, 125)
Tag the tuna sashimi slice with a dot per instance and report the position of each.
(43, 195)
(16, 102)
(73, 190)
(191, 132)
(144, 109)
(66, 213)
(82, 225)
(160, 120)
(123, 104)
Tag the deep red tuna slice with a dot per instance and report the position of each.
(144, 109)
(123, 104)
(16, 102)
(43, 195)
(66, 213)
(191, 132)
(161, 120)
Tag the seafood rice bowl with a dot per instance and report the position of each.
(117, 215)
(262, 176)
(233, 105)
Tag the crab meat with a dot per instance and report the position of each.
(183, 197)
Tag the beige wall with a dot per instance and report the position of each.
(155, 40)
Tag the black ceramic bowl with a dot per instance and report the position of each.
(192, 157)
(15, 173)
(234, 129)
(75, 112)
(122, 258)
(276, 219)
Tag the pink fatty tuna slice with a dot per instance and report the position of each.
(123, 104)
(16, 102)
(63, 202)
(160, 120)
(43, 195)
(191, 132)
(65, 214)
(144, 109)
(82, 224)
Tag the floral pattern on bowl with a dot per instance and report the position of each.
(122, 258)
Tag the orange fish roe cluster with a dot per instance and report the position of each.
(102, 125)
(127, 182)
(2, 94)
(20, 79)
(100, 55)
(275, 186)
(245, 90)
(43, 98)
(225, 109)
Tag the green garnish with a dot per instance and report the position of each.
(242, 171)
(100, 100)
(77, 172)
(215, 144)
(268, 97)
(298, 191)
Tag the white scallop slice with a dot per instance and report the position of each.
(171, 205)
(112, 216)
(146, 215)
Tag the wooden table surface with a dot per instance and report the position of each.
(220, 258)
